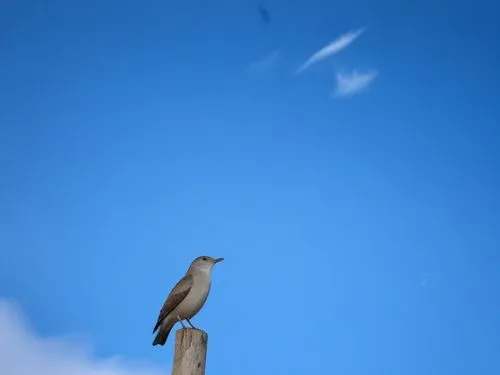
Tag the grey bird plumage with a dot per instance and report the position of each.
(186, 298)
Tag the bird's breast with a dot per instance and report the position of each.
(196, 297)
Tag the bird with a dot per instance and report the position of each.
(186, 298)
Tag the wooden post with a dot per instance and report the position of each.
(190, 353)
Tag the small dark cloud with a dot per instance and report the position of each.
(264, 14)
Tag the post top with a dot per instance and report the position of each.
(190, 351)
(191, 330)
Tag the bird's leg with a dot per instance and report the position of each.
(191, 324)
(180, 321)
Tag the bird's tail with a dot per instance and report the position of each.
(161, 337)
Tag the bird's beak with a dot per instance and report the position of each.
(218, 260)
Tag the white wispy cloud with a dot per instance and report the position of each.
(424, 280)
(265, 64)
(23, 352)
(352, 83)
(336, 46)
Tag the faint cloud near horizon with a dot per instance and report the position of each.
(352, 83)
(265, 64)
(25, 353)
(342, 42)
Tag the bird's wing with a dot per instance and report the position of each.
(178, 293)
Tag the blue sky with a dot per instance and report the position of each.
(356, 202)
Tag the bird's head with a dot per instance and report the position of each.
(205, 263)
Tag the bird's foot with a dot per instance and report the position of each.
(192, 326)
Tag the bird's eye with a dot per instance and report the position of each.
(204, 258)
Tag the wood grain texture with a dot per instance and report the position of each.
(190, 353)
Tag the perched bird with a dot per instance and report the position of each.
(186, 298)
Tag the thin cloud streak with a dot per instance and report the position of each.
(25, 353)
(424, 280)
(265, 64)
(352, 83)
(336, 46)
